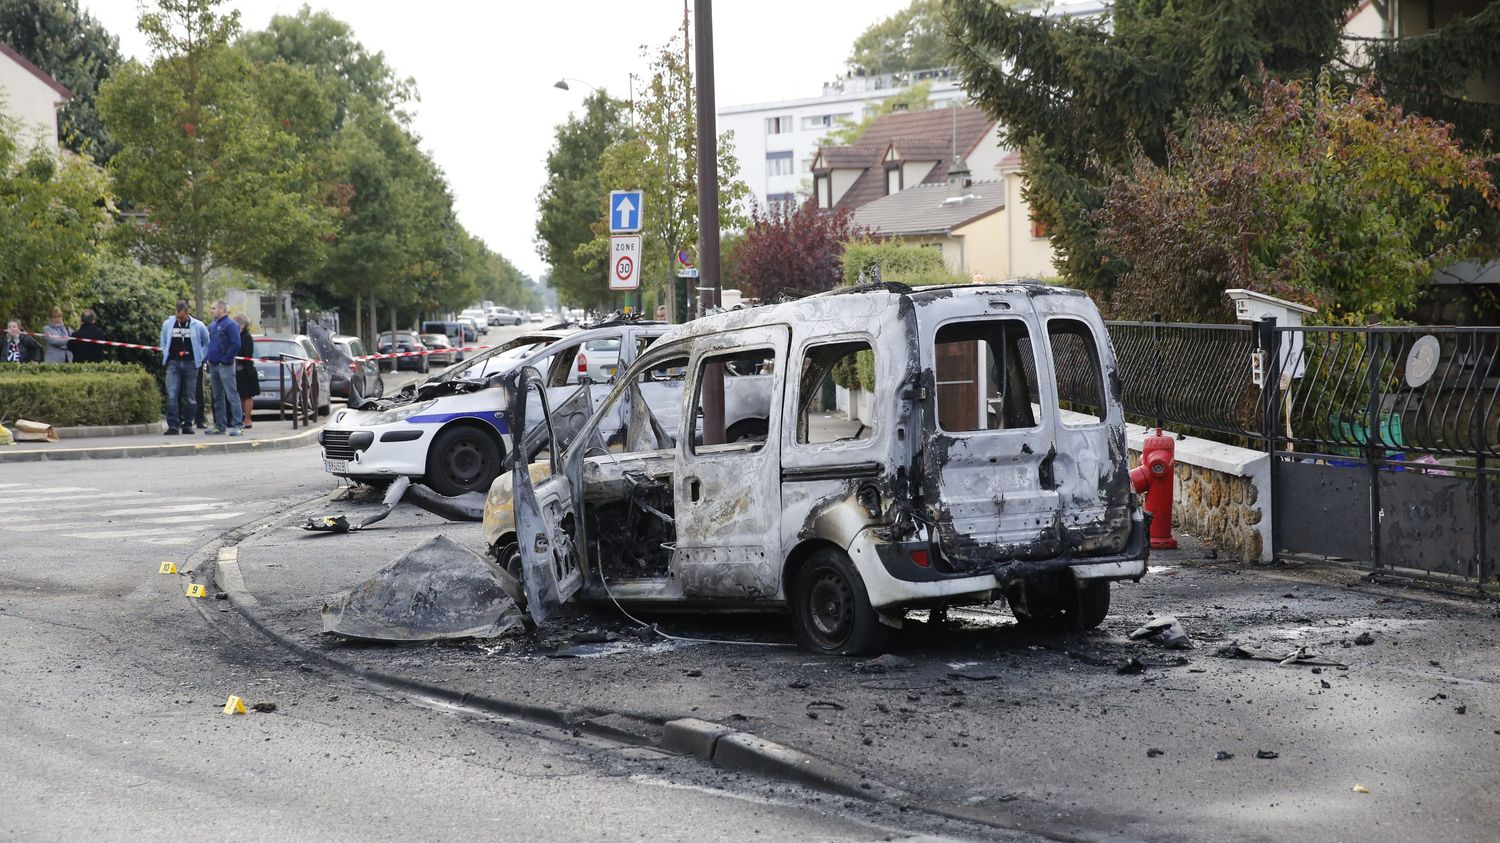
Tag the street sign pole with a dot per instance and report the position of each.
(708, 212)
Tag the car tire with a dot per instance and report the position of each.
(747, 430)
(424, 366)
(462, 459)
(379, 387)
(831, 611)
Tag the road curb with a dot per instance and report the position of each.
(82, 431)
(227, 446)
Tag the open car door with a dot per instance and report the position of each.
(545, 522)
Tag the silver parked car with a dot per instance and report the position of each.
(278, 359)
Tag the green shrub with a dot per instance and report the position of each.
(73, 394)
(904, 263)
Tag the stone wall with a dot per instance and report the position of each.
(1220, 494)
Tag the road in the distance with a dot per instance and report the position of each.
(111, 685)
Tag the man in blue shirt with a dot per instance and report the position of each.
(184, 341)
(223, 345)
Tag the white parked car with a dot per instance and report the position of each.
(450, 431)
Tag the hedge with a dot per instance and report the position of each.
(72, 394)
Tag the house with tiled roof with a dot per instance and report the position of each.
(30, 100)
(982, 226)
(903, 150)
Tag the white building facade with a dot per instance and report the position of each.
(29, 101)
(775, 142)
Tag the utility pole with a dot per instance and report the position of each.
(708, 214)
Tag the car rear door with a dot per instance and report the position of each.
(989, 450)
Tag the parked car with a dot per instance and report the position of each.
(452, 330)
(450, 432)
(599, 359)
(278, 359)
(442, 350)
(471, 331)
(478, 318)
(501, 315)
(353, 375)
(952, 476)
(402, 341)
(536, 317)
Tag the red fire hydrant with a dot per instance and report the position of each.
(1154, 477)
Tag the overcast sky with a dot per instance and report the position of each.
(486, 70)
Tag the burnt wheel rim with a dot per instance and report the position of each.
(830, 608)
(464, 462)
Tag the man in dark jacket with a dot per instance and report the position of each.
(223, 346)
(87, 352)
(18, 347)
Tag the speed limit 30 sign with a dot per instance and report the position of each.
(625, 262)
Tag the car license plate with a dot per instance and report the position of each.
(335, 466)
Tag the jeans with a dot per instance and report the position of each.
(229, 413)
(182, 384)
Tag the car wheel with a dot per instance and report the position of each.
(462, 459)
(424, 366)
(747, 430)
(379, 387)
(831, 611)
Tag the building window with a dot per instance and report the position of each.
(1039, 229)
(893, 179)
(818, 121)
(778, 125)
(823, 190)
(781, 203)
(807, 165)
(780, 163)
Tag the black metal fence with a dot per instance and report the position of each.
(1384, 441)
(1194, 378)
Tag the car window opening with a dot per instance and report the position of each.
(836, 379)
(1076, 362)
(749, 435)
(985, 376)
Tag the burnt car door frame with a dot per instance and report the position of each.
(550, 564)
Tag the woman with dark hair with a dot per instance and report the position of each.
(245, 376)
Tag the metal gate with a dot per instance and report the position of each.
(1384, 445)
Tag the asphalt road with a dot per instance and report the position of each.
(112, 684)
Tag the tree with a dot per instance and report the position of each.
(568, 206)
(661, 158)
(911, 39)
(52, 219)
(796, 249)
(221, 182)
(131, 302)
(1310, 197)
(1083, 98)
(75, 49)
(321, 42)
(847, 132)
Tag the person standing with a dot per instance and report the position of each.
(88, 352)
(223, 347)
(246, 377)
(18, 347)
(56, 335)
(184, 341)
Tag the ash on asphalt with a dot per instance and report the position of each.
(1043, 725)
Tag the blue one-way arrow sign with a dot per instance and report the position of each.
(624, 211)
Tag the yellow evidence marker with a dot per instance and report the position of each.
(196, 590)
(234, 705)
(168, 567)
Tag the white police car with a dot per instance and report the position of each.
(450, 431)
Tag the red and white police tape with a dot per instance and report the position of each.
(139, 347)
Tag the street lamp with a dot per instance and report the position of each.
(562, 84)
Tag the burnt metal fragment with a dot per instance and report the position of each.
(438, 590)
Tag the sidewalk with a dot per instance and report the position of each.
(1049, 729)
(267, 434)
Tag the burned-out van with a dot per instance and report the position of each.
(926, 447)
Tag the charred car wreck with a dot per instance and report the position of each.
(916, 455)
